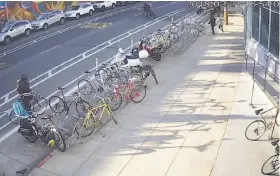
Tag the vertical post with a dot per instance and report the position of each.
(119, 44)
(266, 70)
(6, 9)
(253, 88)
(172, 20)
(275, 71)
(226, 14)
(246, 59)
(131, 42)
(96, 63)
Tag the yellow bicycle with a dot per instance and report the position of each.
(86, 125)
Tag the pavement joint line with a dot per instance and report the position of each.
(155, 21)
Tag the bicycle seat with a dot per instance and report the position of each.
(275, 142)
(21, 171)
(48, 117)
(60, 88)
(258, 111)
(87, 71)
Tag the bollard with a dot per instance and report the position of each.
(96, 63)
(172, 20)
(226, 14)
(131, 42)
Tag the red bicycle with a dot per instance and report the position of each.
(131, 90)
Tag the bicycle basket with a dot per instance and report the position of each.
(19, 109)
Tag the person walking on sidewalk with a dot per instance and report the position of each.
(212, 22)
(220, 21)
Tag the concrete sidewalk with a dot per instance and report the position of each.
(191, 124)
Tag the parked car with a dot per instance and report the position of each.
(14, 29)
(123, 3)
(77, 11)
(46, 19)
(102, 5)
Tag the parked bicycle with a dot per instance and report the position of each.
(59, 105)
(259, 127)
(271, 165)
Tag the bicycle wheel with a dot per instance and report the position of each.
(32, 138)
(195, 31)
(271, 165)
(114, 101)
(174, 37)
(57, 105)
(84, 127)
(154, 75)
(85, 87)
(202, 30)
(13, 118)
(81, 108)
(39, 105)
(259, 130)
(139, 90)
(59, 141)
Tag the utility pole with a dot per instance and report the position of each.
(226, 13)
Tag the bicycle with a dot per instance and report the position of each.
(198, 28)
(262, 125)
(272, 162)
(61, 102)
(93, 117)
(37, 101)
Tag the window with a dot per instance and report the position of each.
(264, 27)
(274, 35)
(255, 23)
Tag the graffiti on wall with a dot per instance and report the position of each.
(30, 10)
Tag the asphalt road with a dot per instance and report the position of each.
(54, 52)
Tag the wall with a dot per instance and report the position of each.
(255, 50)
(29, 10)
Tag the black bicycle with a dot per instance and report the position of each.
(271, 165)
(145, 71)
(59, 105)
(47, 133)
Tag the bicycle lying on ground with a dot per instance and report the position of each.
(271, 165)
(259, 127)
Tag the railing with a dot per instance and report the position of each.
(274, 98)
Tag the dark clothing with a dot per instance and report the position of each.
(148, 11)
(221, 27)
(199, 10)
(23, 87)
(212, 22)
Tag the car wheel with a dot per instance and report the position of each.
(27, 32)
(91, 12)
(45, 26)
(7, 40)
(78, 16)
(62, 21)
(103, 8)
(113, 6)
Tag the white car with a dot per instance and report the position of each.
(77, 11)
(102, 5)
(46, 19)
(14, 29)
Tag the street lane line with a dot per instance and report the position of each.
(49, 49)
(58, 32)
(71, 90)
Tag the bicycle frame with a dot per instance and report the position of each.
(94, 111)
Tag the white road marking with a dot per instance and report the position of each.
(59, 32)
(49, 49)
